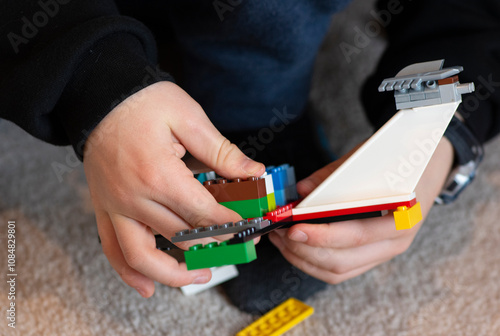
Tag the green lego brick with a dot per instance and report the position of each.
(248, 208)
(215, 254)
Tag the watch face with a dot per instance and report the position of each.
(458, 180)
(468, 153)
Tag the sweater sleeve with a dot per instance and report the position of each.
(65, 64)
(460, 31)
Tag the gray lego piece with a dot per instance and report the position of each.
(217, 230)
(432, 95)
(402, 98)
(414, 96)
(416, 85)
(415, 81)
(422, 67)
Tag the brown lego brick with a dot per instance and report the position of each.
(449, 80)
(237, 189)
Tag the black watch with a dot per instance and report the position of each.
(468, 155)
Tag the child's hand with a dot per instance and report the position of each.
(138, 182)
(339, 251)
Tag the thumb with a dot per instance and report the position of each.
(196, 132)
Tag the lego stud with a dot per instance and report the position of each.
(182, 233)
(255, 220)
(431, 84)
(246, 232)
(240, 223)
(196, 247)
(212, 227)
(226, 225)
(212, 245)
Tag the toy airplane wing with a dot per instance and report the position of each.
(383, 173)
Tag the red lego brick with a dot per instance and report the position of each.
(281, 213)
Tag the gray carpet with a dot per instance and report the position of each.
(447, 283)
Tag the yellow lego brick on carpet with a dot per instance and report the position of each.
(279, 320)
(407, 218)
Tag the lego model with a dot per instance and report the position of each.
(381, 176)
(279, 320)
(425, 84)
(383, 173)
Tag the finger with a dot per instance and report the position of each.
(325, 275)
(139, 251)
(348, 234)
(186, 196)
(344, 260)
(111, 248)
(200, 137)
(156, 216)
(165, 222)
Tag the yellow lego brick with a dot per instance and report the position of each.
(271, 201)
(279, 320)
(407, 218)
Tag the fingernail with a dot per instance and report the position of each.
(200, 280)
(298, 236)
(141, 291)
(251, 167)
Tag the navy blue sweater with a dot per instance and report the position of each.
(66, 63)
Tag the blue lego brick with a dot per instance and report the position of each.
(280, 197)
